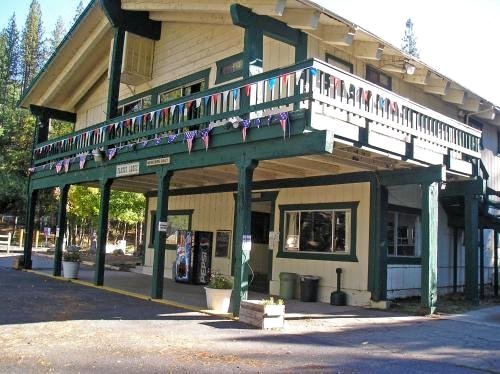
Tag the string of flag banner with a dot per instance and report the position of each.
(340, 86)
(188, 137)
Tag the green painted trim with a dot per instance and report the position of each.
(61, 226)
(220, 76)
(30, 225)
(115, 72)
(461, 188)
(347, 178)
(403, 260)
(61, 115)
(471, 252)
(301, 47)
(145, 239)
(348, 257)
(137, 22)
(340, 61)
(436, 173)
(100, 257)
(61, 45)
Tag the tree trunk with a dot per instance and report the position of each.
(136, 237)
(124, 230)
(140, 234)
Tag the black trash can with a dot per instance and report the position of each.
(309, 288)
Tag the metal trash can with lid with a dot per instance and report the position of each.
(287, 285)
(309, 288)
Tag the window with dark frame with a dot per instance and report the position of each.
(320, 231)
(403, 234)
(176, 220)
(339, 63)
(376, 76)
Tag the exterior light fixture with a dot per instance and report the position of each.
(409, 68)
(98, 155)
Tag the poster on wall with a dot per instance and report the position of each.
(222, 243)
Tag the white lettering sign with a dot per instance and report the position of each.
(162, 226)
(158, 161)
(57, 232)
(127, 169)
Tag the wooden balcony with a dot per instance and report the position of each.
(358, 113)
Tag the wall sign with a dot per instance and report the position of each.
(222, 242)
(158, 161)
(162, 226)
(127, 169)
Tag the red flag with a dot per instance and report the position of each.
(284, 79)
(248, 89)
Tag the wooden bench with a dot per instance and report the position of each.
(5, 240)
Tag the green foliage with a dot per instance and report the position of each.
(219, 281)
(57, 35)
(409, 41)
(12, 192)
(71, 256)
(79, 10)
(83, 204)
(126, 207)
(32, 42)
(272, 301)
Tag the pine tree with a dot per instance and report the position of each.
(409, 41)
(79, 10)
(56, 35)
(33, 49)
(12, 50)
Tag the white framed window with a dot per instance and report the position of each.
(403, 234)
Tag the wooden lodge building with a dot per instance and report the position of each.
(283, 127)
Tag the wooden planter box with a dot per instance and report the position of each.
(254, 313)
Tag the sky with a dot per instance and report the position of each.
(459, 38)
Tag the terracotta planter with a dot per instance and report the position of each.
(255, 313)
(218, 299)
(70, 269)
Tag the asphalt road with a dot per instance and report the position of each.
(48, 325)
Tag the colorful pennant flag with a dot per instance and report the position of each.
(189, 138)
(271, 83)
(283, 122)
(171, 138)
(394, 107)
(83, 160)
(235, 93)
(245, 124)
(66, 164)
(111, 153)
(248, 88)
(205, 135)
(58, 166)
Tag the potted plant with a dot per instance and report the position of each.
(264, 314)
(218, 292)
(71, 264)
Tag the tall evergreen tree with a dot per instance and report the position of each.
(33, 49)
(12, 50)
(56, 35)
(409, 41)
(79, 10)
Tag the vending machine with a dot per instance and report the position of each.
(194, 256)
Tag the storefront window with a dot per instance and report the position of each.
(177, 220)
(322, 231)
(403, 234)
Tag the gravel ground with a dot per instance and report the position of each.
(48, 325)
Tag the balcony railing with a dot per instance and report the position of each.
(285, 89)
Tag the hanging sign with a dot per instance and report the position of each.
(127, 169)
(158, 161)
(57, 232)
(162, 226)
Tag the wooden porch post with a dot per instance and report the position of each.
(377, 268)
(430, 207)
(455, 259)
(471, 252)
(30, 223)
(242, 231)
(102, 229)
(115, 72)
(61, 228)
(481, 262)
(495, 264)
(164, 177)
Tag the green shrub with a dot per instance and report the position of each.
(219, 281)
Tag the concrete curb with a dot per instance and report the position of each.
(137, 296)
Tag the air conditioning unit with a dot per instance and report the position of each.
(137, 63)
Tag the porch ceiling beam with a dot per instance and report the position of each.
(462, 188)
(185, 17)
(430, 174)
(90, 79)
(53, 113)
(137, 22)
(488, 113)
(334, 35)
(317, 165)
(306, 19)
(368, 50)
(79, 59)
(421, 76)
(437, 86)
(454, 96)
(471, 104)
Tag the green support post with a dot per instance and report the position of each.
(61, 228)
(115, 72)
(242, 231)
(455, 259)
(100, 257)
(471, 252)
(164, 177)
(253, 52)
(481, 263)
(30, 223)
(430, 207)
(377, 268)
(495, 263)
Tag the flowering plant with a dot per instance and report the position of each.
(220, 281)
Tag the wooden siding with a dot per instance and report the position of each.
(318, 49)
(183, 49)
